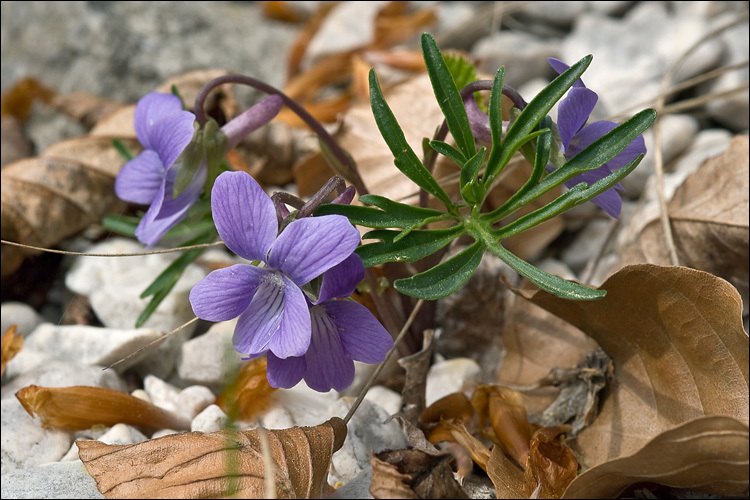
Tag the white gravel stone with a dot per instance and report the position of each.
(162, 394)
(388, 399)
(193, 400)
(369, 431)
(63, 374)
(24, 443)
(524, 56)
(622, 72)
(54, 480)
(212, 419)
(210, 359)
(117, 434)
(449, 376)
(87, 345)
(114, 287)
(163, 432)
(20, 314)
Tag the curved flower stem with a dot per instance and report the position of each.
(344, 161)
(380, 367)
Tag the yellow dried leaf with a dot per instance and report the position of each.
(505, 475)
(218, 465)
(249, 393)
(78, 408)
(11, 345)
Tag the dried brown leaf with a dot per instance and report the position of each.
(457, 432)
(79, 407)
(18, 100)
(504, 409)
(708, 454)
(413, 474)
(218, 465)
(416, 367)
(505, 475)
(710, 219)
(675, 336)
(86, 108)
(14, 144)
(454, 406)
(551, 465)
(10, 345)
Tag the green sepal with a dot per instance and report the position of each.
(189, 161)
(389, 214)
(404, 157)
(445, 278)
(531, 115)
(472, 190)
(410, 248)
(448, 97)
(553, 284)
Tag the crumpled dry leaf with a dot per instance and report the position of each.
(86, 108)
(505, 410)
(457, 432)
(78, 408)
(675, 335)
(413, 474)
(10, 346)
(708, 454)
(18, 100)
(710, 218)
(551, 465)
(505, 475)
(416, 367)
(14, 144)
(218, 465)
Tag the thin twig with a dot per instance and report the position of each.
(135, 254)
(658, 152)
(150, 344)
(388, 356)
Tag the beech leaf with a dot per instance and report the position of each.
(708, 454)
(217, 465)
(679, 350)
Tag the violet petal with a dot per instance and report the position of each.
(285, 373)
(310, 246)
(252, 119)
(150, 109)
(170, 135)
(140, 179)
(573, 112)
(362, 336)
(225, 293)
(561, 68)
(244, 215)
(260, 321)
(327, 365)
(479, 122)
(166, 211)
(341, 280)
(293, 335)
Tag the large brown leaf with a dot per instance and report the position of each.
(710, 218)
(675, 336)
(708, 454)
(217, 465)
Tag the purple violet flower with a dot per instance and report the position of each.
(573, 112)
(272, 308)
(165, 130)
(342, 332)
